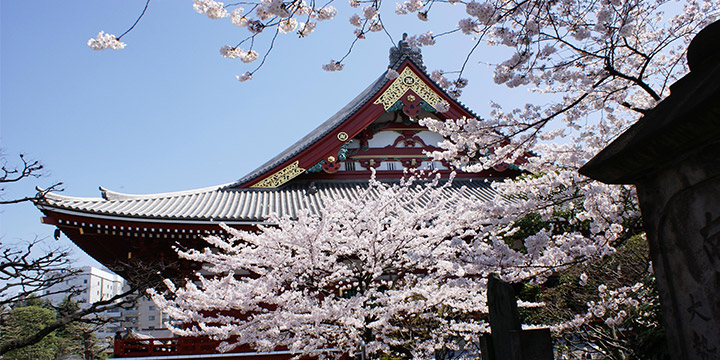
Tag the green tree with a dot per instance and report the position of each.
(78, 337)
(23, 322)
(28, 274)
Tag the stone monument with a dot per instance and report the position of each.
(672, 156)
(508, 341)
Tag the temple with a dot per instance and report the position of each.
(376, 130)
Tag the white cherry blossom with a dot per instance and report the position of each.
(325, 13)
(213, 9)
(231, 52)
(355, 20)
(249, 56)
(391, 74)
(105, 41)
(287, 25)
(238, 18)
(333, 66)
(244, 77)
(305, 29)
(370, 12)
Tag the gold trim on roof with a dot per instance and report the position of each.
(282, 176)
(408, 80)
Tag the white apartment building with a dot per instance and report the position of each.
(97, 284)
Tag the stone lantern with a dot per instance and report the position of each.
(672, 156)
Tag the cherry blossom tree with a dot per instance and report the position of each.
(383, 270)
(596, 66)
(401, 271)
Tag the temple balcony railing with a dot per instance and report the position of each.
(164, 346)
(177, 346)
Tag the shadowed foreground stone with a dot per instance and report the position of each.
(507, 340)
(672, 155)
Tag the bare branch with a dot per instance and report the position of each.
(27, 169)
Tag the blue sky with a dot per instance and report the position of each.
(166, 113)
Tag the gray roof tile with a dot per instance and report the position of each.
(230, 205)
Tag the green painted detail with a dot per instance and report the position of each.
(316, 168)
(343, 152)
(342, 155)
(425, 106)
(396, 106)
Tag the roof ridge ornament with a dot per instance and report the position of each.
(405, 50)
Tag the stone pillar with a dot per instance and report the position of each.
(672, 155)
(507, 340)
(681, 213)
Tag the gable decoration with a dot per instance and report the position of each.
(408, 81)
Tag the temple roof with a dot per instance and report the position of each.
(244, 201)
(401, 56)
(318, 133)
(232, 206)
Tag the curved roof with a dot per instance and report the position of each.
(231, 205)
(398, 56)
(234, 202)
(325, 128)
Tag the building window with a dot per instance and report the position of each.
(151, 318)
(390, 165)
(349, 166)
(85, 281)
(151, 308)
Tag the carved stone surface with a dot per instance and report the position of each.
(681, 210)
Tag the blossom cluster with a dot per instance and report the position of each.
(369, 21)
(234, 53)
(612, 308)
(244, 77)
(453, 88)
(213, 9)
(105, 41)
(597, 98)
(333, 66)
(366, 269)
(424, 39)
